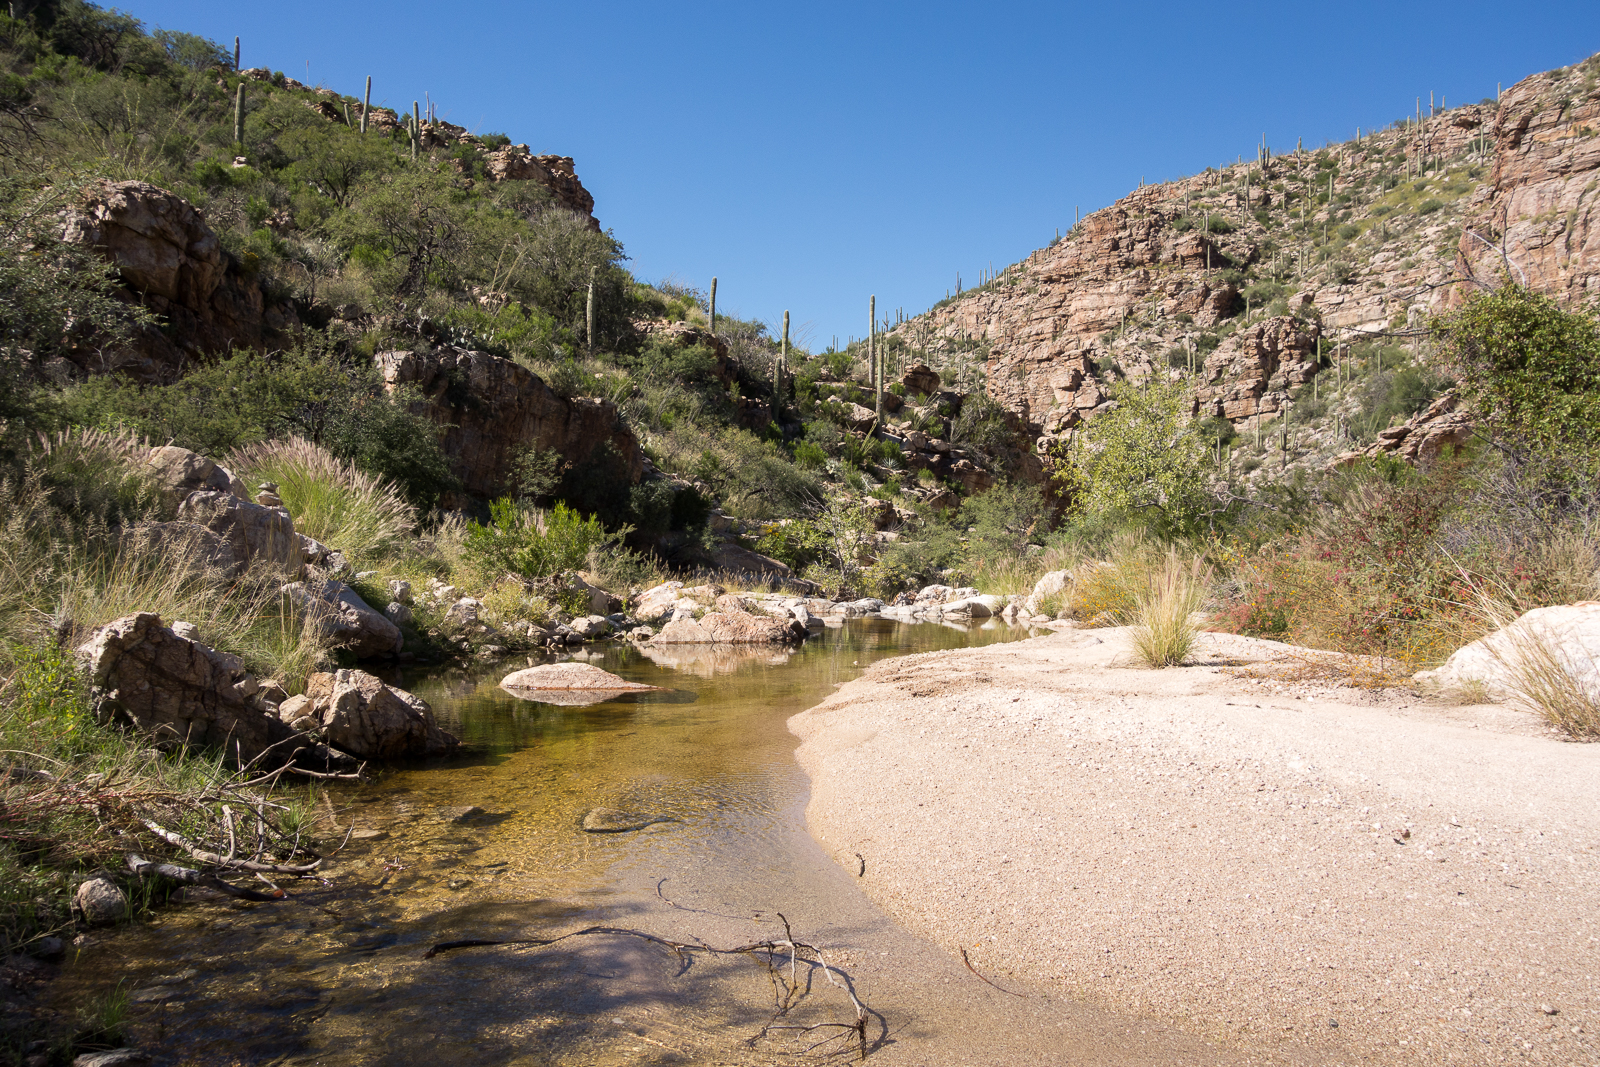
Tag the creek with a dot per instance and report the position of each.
(489, 845)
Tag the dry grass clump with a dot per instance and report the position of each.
(330, 500)
(1543, 678)
(1163, 632)
(1107, 592)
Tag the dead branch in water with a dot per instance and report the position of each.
(774, 954)
(144, 868)
(302, 870)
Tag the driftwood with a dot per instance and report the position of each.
(771, 953)
(144, 868)
(302, 870)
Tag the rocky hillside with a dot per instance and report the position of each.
(1292, 291)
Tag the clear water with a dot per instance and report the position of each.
(336, 975)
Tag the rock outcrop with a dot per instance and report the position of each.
(489, 409)
(1251, 372)
(1444, 423)
(175, 689)
(1539, 222)
(556, 173)
(172, 262)
(356, 713)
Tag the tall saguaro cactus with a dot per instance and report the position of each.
(712, 310)
(366, 104)
(238, 117)
(236, 53)
(783, 369)
(875, 370)
(416, 129)
(588, 315)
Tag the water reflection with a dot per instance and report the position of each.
(490, 843)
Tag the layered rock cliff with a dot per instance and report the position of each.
(1284, 266)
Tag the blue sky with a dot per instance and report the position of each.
(810, 155)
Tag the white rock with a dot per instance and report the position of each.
(1569, 633)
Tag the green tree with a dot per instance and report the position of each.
(1532, 370)
(1145, 459)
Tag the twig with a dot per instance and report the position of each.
(984, 980)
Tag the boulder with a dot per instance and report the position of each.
(398, 613)
(178, 472)
(358, 714)
(656, 603)
(344, 619)
(578, 677)
(1567, 635)
(601, 601)
(256, 535)
(733, 602)
(176, 689)
(100, 901)
(312, 551)
(733, 628)
(1444, 423)
(591, 626)
(1052, 584)
(921, 379)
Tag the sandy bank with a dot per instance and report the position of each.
(1309, 872)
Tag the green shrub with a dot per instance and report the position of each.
(809, 454)
(532, 543)
(1429, 206)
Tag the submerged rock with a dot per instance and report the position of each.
(616, 821)
(731, 628)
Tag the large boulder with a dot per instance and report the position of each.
(490, 410)
(656, 603)
(176, 689)
(256, 535)
(1051, 585)
(575, 677)
(344, 619)
(179, 472)
(1566, 637)
(173, 263)
(729, 628)
(356, 713)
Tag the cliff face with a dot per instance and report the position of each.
(1136, 288)
(1538, 219)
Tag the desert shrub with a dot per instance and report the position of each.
(534, 543)
(1429, 206)
(809, 455)
(329, 499)
(1532, 368)
(1551, 675)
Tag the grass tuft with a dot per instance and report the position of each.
(1163, 628)
(344, 508)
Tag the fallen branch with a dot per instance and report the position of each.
(144, 868)
(772, 949)
(215, 860)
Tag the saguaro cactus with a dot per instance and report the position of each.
(783, 369)
(416, 129)
(876, 370)
(238, 117)
(713, 308)
(236, 53)
(588, 315)
(366, 104)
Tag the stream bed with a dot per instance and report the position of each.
(489, 845)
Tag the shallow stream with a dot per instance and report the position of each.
(489, 845)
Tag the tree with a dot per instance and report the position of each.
(1532, 371)
(1145, 459)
